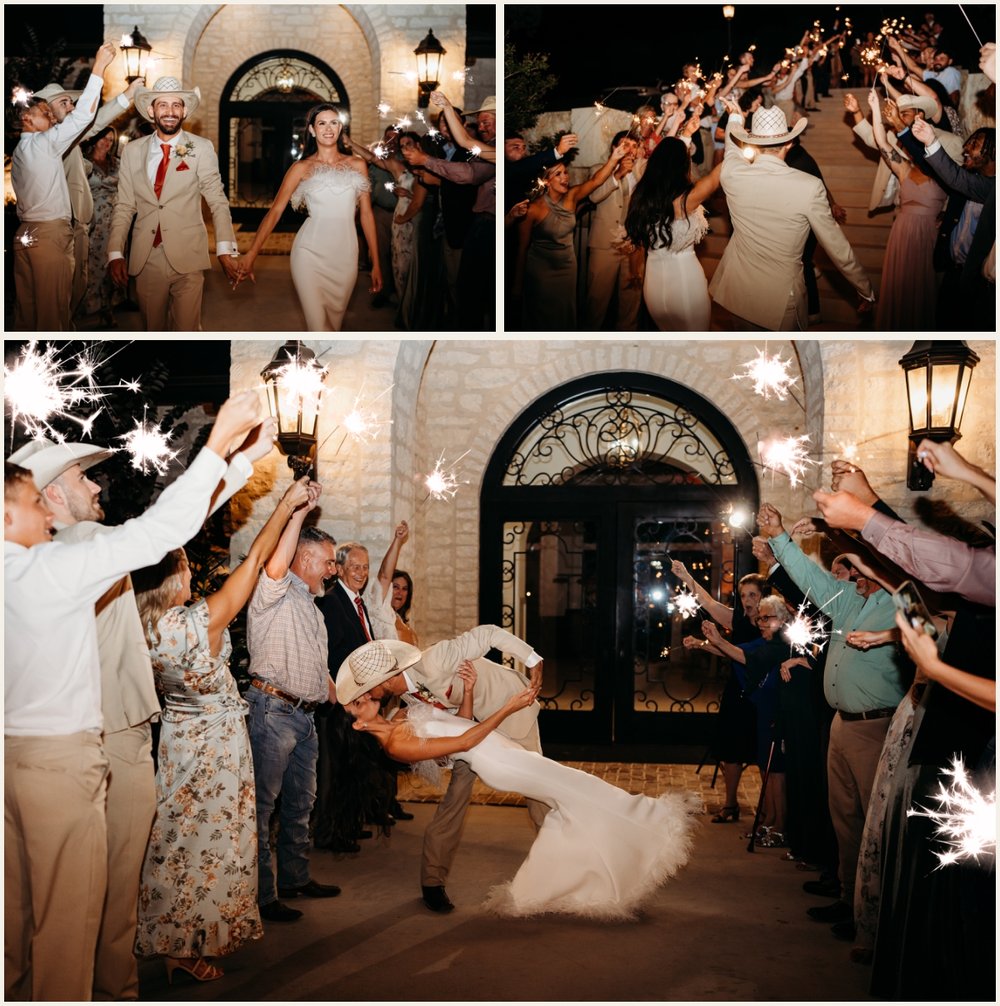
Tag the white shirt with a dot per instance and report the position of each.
(784, 92)
(36, 170)
(350, 593)
(52, 674)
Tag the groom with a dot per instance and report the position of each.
(773, 207)
(162, 181)
(401, 670)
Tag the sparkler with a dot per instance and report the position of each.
(433, 133)
(27, 239)
(787, 455)
(442, 483)
(149, 447)
(21, 96)
(404, 123)
(475, 151)
(770, 375)
(380, 151)
(686, 603)
(389, 186)
(979, 41)
(383, 109)
(966, 818)
(804, 633)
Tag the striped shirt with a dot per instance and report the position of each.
(286, 636)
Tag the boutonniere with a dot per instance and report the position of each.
(181, 152)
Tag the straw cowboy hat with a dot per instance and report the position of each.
(919, 102)
(371, 665)
(770, 128)
(47, 461)
(489, 105)
(52, 91)
(165, 87)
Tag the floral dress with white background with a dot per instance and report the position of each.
(198, 896)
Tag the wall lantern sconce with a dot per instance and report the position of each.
(294, 384)
(937, 387)
(136, 50)
(429, 54)
(729, 12)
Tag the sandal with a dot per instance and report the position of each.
(197, 967)
(726, 815)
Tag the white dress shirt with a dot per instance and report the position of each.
(36, 170)
(52, 674)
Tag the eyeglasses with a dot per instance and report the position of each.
(760, 619)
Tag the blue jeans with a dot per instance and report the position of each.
(283, 740)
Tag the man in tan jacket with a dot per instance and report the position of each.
(161, 183)
(403, 671)
(773, 207)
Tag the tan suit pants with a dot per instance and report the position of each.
(606, 272)
(81, 255)
(169, 301)
(851, 763)
(55, 864)
(43, 276)
(130, 810)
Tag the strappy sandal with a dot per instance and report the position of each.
(197, 967)
(726, 815)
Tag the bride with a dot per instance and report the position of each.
(666, 218)
(599, 851)
(331, 182)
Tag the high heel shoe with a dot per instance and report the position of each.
(726, 815)
(197, 967)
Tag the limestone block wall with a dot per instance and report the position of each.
(456, 398)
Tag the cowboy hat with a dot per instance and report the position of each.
(770, 128)
(52, 91)
(918, 102)
(163, 88)
(371, 665)
(47, 461)
(489, 105)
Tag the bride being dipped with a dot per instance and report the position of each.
(331, 183)
(599, 852)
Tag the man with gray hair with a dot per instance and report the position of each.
(289, 680)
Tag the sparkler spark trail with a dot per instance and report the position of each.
(686, 602)
(475, 151)
(383, 109)
(441, 483)
(27, 239)
(769, 374)
(21, 96)
(787, 455)
(149, 447)
(966, 818)
(380, 151)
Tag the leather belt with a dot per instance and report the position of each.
(869, 714)
(306, 707)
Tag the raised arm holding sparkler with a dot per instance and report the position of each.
(458, 131)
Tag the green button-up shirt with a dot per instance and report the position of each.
(854, 680)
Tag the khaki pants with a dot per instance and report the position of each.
(55, 864)
(169, 301)
(43, 276)
(606, 271)
(131, 807)
(81, 255)
(851, 763)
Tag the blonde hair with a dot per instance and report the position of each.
(155, 589)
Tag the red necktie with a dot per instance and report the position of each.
(161, 174)
(361, 615)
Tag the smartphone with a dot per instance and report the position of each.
(907, 600)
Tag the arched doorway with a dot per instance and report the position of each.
(262, 118)
(590, 494)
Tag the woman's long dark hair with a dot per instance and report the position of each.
(401, 574)
(651, 211)
(311, 146)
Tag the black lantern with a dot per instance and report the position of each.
(428, 54)
(937, 387)
(294, 383)
(136, 50)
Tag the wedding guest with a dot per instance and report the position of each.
(101, 295)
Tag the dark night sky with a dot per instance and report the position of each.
(641, 44)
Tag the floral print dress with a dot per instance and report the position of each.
(198, 896)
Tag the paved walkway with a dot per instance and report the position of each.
(730, 926)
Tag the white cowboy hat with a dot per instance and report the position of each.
(923, 104)
(47, 461)
(489, 105)
(164, 87)
(372, 664)
(770, 128)
(52, 91)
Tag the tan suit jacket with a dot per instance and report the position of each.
(773, 207)
(438, 667)
(178, 211)
(610, 201)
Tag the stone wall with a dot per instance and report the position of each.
(370, 47)
(457, 397)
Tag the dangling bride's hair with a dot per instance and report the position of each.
(311, 146)
(651, 210)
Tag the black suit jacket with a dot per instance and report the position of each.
(343, 627)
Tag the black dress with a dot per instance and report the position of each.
(736, 723)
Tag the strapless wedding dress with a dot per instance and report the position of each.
(600, 851)
(675, 288)
(324, 257)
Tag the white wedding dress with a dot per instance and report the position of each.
(675, 288)
(324, 256)
(599, 852)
